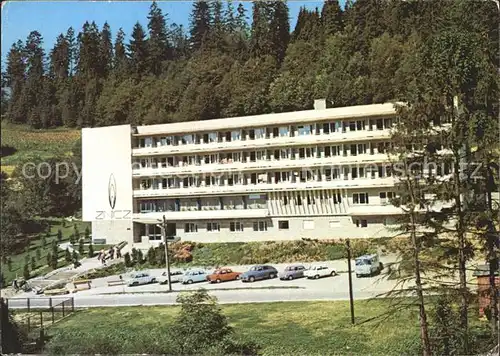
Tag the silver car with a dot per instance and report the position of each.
(175, 277)
(139, 278)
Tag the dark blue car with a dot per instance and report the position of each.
(259, 272)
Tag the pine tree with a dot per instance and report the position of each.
(59, 235)
(241, 21)
(53, 260)
(180, 42)
(34, 87)
(60, 58)
(87, 233)
(279, 29)
(105, 51)
(38, 254)
(67, 255)
(229, 18)
(138, 51)
(200, 21)
(81, 248)
(91, 250)
(89, 61)
(26, 272)
(33, 263)
(49, 259)
(158, 43)
(331, 17)
(72, 50)
(120, 60)
(260, 41)
(74, 256)
(15, 80)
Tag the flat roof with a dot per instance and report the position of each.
(305, 116)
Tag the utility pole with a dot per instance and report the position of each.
(351, 299)
(167, 262)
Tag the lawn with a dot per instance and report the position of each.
(288, 328)
(18, 260)
(20, 142)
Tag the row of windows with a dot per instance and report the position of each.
(313, 175)
(266, 133)
(234, 226)
(344, 150)
(198, 204)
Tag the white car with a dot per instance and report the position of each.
(139, 278)
(175, 276)
(318, 271)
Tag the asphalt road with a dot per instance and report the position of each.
(328, 288)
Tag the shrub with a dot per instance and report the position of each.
(44, 241)
(74, 256)
(140, 257)
(49, 259)
(59, 234)
(9, 264)
(87, 233)
(91, 250)
(128, 260)
(33, 263)
(151, 256)
(81, 248)
(202, 328)
(38, 254)
(53, 261)
(67, 255)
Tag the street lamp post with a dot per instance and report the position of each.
(167, 261)
(349, 272)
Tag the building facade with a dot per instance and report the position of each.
(318, 174)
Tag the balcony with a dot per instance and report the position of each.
(266, 187)
(360, 136)
(281, 164)
(152, 218)
(370, 210)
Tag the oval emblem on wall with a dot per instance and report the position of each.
(112, 191)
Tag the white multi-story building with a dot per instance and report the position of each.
(318, 174)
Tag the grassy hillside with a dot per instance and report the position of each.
(19, 143)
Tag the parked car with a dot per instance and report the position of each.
(175, 276)
(292, 272)
(222, 275)
(194, 276)
(318, 271)
(368, 265)
(259, 272)
(139, 278)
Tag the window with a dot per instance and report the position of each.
(360, 198)
(260, 226)
(283, 131)
(308, 225)
(213, 227)
(283, 225)
(190, 227)
(235, 135)
(361, 223)
(235, 226)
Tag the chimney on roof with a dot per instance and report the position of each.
(320, 104)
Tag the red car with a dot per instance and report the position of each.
(222, 275)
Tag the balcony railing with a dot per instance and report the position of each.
(363, 159)
(266, 187)
(337, 137)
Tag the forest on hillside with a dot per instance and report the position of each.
(225, 65)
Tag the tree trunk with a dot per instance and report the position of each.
(462, 258)
(424, 330)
